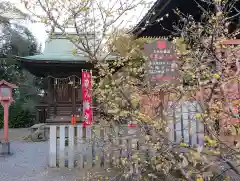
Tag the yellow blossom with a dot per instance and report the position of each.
(198, 116)
(216, 76)
(44, 20)
(200, 179)
(74, 52)
(183, 145)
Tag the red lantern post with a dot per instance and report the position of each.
(6, 100)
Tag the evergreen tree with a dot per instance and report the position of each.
(17, 40)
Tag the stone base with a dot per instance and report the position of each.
(5, 149)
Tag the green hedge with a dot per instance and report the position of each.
(18, 118)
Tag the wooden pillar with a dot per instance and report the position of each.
(73, 97)
(53, 146)
(37, 116)
(50, 97)
(54, 96)
(45, 115)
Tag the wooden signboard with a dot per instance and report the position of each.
(161, 69)
(162, 62)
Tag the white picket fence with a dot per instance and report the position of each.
(75, 146)
(102, 146)
(183, 123)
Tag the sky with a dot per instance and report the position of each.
(39, 29)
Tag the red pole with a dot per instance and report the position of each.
(5, 122)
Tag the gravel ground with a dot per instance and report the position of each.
(29, 163)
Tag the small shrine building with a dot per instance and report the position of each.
(62, 69)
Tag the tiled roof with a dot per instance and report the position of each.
(59, 50)
(55, 57)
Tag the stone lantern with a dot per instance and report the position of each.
(6, 99)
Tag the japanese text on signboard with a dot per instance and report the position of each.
(161, 66)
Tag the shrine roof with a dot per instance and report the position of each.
(61, 58)
(160, 18)
(57, 49)
(60, 50)
(54, 58)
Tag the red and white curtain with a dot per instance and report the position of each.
(87, 97)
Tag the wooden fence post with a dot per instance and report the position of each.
(189, 127)
(178, 121)
(194, 129)
(201, 127)
(116, 145)
(89, 146)
(174, 125)
(102, 154)
(182, 125)
(97, 146)
(71, 150)
(94, 145)
(52, 146)
(79, 145)
(62, 146)
(110, 141)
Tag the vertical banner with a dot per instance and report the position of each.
(87, 97)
